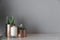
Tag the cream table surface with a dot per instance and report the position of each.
(38, 37)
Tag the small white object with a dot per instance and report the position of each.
(14, 31)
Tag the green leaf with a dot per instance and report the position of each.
(6, 19)
(11, 20)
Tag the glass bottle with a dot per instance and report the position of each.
(13, 31)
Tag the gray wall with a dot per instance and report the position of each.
(3, 14)
(39, 16)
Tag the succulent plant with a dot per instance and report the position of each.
(22, 26)
(9, 20)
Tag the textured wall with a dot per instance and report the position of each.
(39, 16)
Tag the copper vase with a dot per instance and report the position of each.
(24, 33)
(20, 33)
(8, 30)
